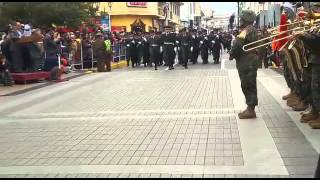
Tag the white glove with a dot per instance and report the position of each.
(178, 48)
(160, 49)
(213, 42)
(177, 42)
(191, 49)
(201, 42)
(145, 39)
(175, 48)
(128, 45)
(139, 42)
(206, 38)
(132, 41)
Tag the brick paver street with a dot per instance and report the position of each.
(145, 123)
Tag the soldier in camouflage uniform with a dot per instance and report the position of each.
(311, 41)
(247, 63)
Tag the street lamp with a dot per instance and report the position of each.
(110, 6)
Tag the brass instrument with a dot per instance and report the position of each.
(308, 26)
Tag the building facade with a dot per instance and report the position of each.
(191, 14)
(128, 16)
(268, 13)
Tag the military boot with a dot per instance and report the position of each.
(249, 113)
(315, 124)
(293, 101)
(286, 97)
(300, 107)
(309, 117)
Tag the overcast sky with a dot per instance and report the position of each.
(221, 7)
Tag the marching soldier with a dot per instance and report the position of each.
(134, 52)
(204, 48)
(146, 52)
(169, 39)
(246, 63)
(178, 44)
(185, 41)
(139, 48)
(216, 48)
(311, 40)
(155, 54)
(194, 48)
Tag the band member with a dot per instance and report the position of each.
(311, 40)
(246, 63)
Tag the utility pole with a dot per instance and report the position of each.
(238, 15)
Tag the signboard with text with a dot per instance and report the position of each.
(137, 4)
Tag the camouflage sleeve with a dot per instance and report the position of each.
(236, 49)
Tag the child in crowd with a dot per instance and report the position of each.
(5, 77)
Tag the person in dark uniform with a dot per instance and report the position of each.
(194, 47)
(134, 51)
(127, 43)
(169, 39)
(247, 62)
(178, 44)
(216, 48)
(146, 52)
(204, 48)
(139, 47)
(130, 44)
(185, 42)
(155, 54)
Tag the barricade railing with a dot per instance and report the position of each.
(119, 53)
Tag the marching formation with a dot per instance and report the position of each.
(161, 48)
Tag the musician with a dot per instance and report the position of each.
(247, 63)
(311, 40)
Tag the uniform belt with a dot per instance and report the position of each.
(154, 45)
(168, 43)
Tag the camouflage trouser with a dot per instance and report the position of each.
(248, 80)
(315, 86)
(287, 75)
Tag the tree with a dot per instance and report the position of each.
(44, 14)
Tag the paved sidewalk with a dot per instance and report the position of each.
(145, 123)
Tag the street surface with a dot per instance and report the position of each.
(145, 123)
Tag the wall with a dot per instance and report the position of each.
(129, 19)
(121, 8)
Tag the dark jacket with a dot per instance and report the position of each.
(99, 49)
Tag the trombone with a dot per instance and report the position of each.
(303, 29)
(288, 24)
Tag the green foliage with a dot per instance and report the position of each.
(44, 14)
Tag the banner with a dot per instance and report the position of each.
(137, 4)
(105, 23)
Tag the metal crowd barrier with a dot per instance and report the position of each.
(119, 54)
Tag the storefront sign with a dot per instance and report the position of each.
(137, 4)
